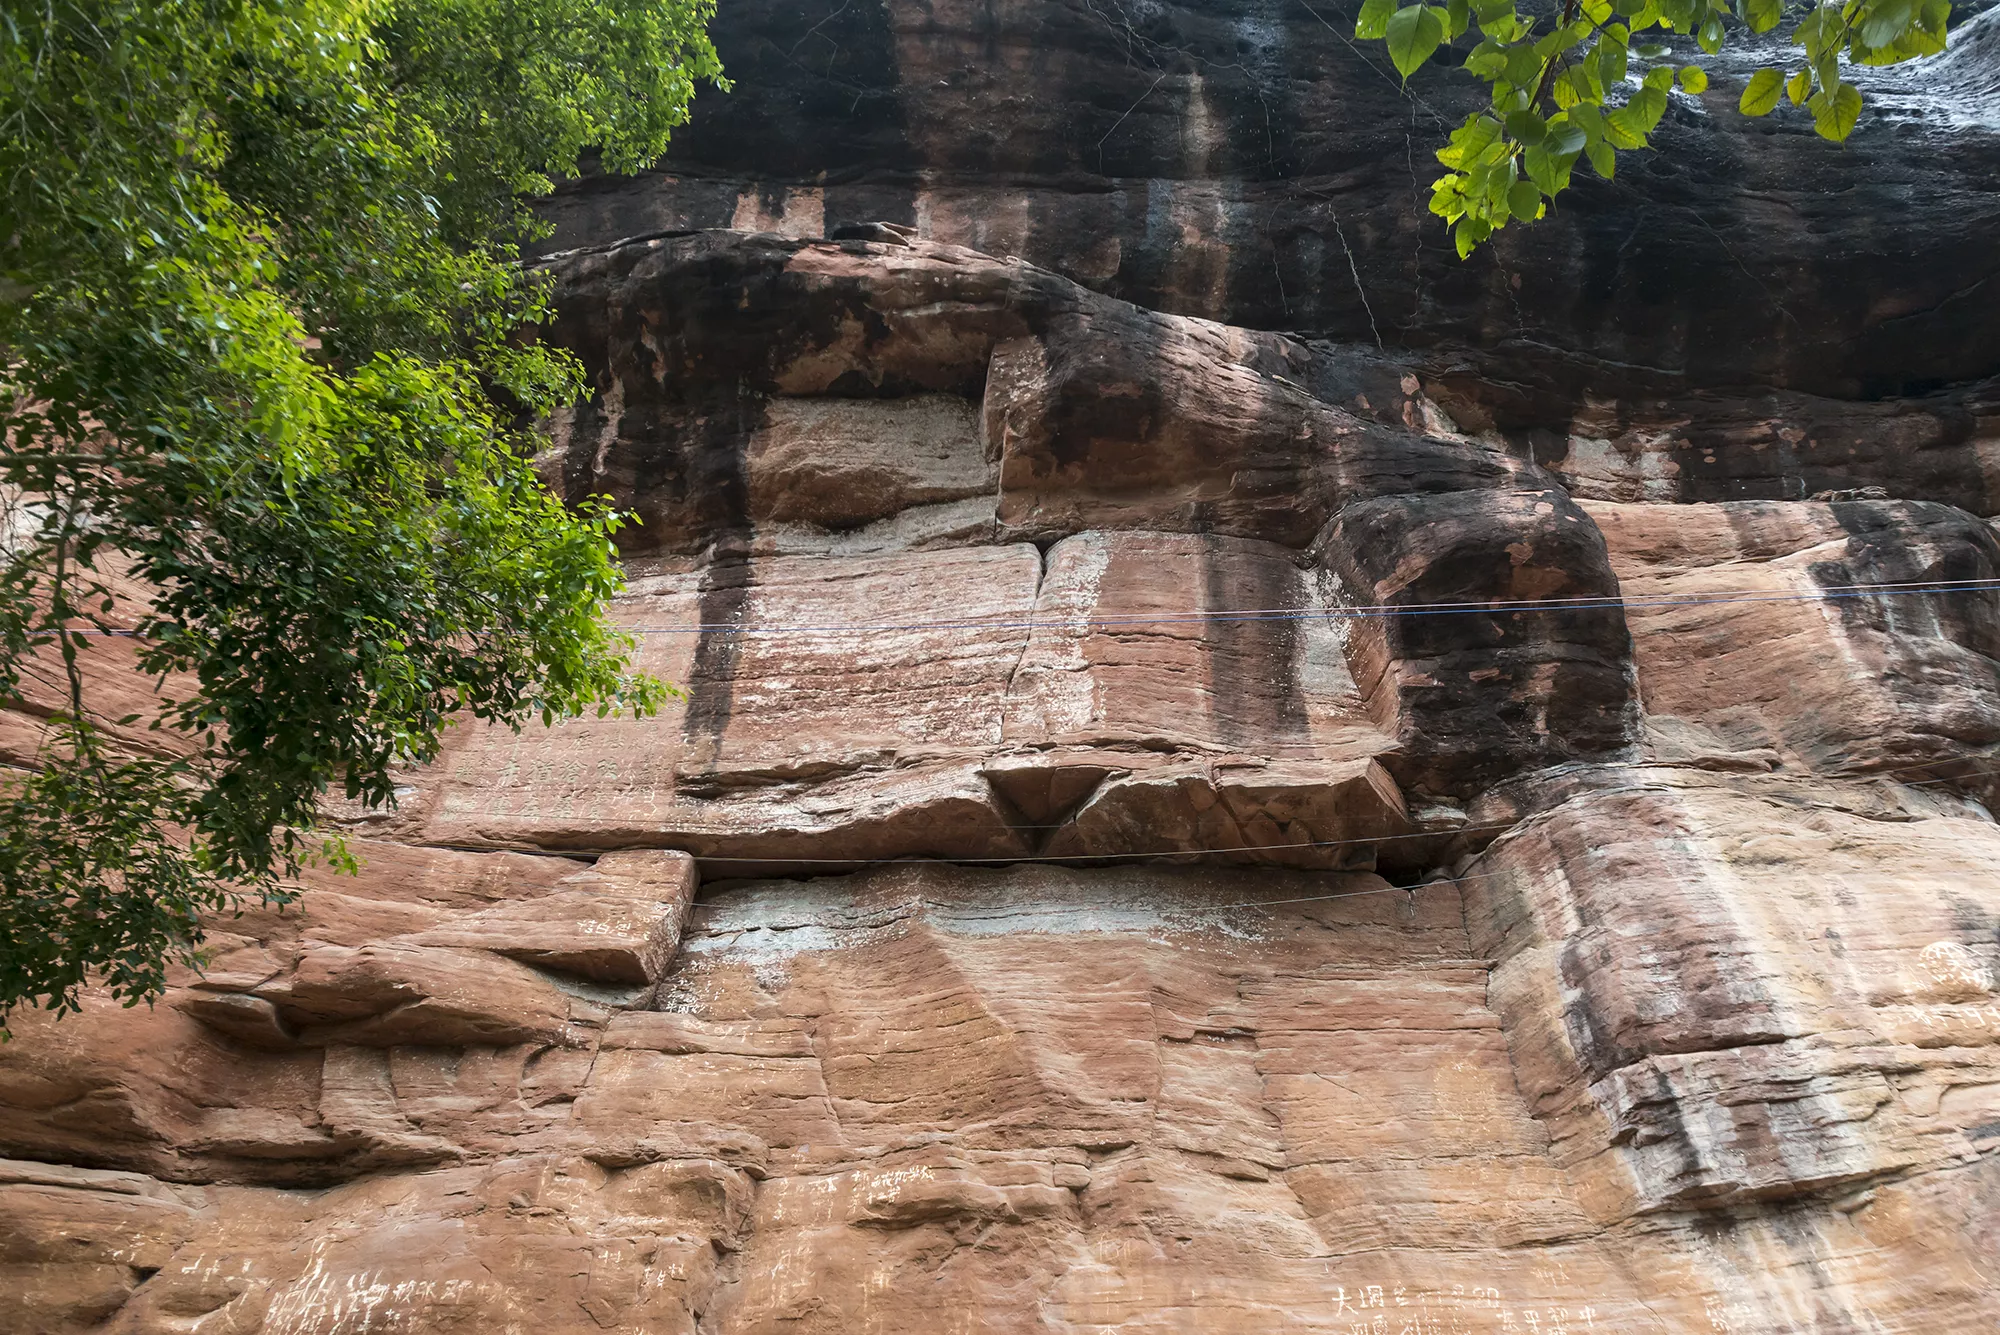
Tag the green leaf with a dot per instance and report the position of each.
(1798, 87)
(1819, 32)
(1503, 26)
(1694, 79)
(1621, 132)
(1487, 60)
(1762, 15)
(1835, 110)
(1523, 66)
(1760, 95)
(1470, 141)
(1548, 169)
(1642, 113)
(1414, 32)
(1709, 35)
(1612, 57)
(1918, 41)
(1883, 21)
(1524, 201)
(1565, 137)
(1373, 23)
(1527, 127)
(1680, 14)
(1540, 167)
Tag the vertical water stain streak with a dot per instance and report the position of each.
(1253, 685)
(719, 475)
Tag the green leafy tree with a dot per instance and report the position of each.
(264, 355)
(1582, 82)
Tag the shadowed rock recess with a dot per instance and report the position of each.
(1238, 774)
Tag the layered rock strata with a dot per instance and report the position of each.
(1172, 825)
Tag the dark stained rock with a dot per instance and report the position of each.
(1475, 693)
(1244, 160)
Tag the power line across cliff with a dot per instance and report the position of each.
(1360, 612)
(1372, 611)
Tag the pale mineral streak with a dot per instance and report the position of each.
(1089, 887)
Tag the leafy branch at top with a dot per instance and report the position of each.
(1566, 88)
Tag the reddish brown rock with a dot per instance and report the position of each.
(970, 704)
(1068, 1100)
(999, 601)
(107, 668)
(1113, 418)
(1715, 994)
(618, 922)
(834, 706)
(418, 952)
(383, 994)
(1843, 637)
(76, 1243)
(1188, 693)
(843, 463)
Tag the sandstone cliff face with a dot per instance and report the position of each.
(1173, 826)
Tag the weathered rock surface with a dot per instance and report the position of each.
(1052, 1099)
(1713, 996)
(1173, 826)
(1243, 160)
(1857, 636)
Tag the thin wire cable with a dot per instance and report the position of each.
(1292, 614)
(1360, 612)
(1366, 611)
